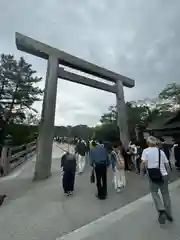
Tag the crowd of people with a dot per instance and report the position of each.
(151, 157)
(99, 157)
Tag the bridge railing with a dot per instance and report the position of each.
(12, 157)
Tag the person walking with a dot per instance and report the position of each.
(81, 150)
(166, 149)
(138, 157)
(68, 165)
(99, 161)
(176, 153)
(127, 155)
(156, 162)
(143, 145)
(127, 159)
(117, 162)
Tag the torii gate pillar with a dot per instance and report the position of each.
(46, 131)
(122, 116)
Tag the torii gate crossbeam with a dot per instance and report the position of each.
(56, 57)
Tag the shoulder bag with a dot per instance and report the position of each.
(155, 173)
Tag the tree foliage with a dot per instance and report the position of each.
(78, 131)
(31, 118)
(106, 132)
(171, 96)
(141, 113)
(22, 134)
(110, 117)
(18, 90)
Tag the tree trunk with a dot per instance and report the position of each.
(6, 120)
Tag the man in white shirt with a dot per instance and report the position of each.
(150, 159)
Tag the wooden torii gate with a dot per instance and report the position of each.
(54, 71)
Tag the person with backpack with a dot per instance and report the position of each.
(68, 165)
(156, 162)
(117, 162)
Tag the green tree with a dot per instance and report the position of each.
(18, 91)
(142, 112)
(81, 131)
(170, 97)
(138, 114)
(31, 118)
(17, 87)
(110, 117)
(106, 132)
(145, 111)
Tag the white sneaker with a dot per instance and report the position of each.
(118, 190)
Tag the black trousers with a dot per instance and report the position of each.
(101, 180)
(68, 181)
(126, 166)
(138, 164)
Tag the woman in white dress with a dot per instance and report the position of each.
(117, 162)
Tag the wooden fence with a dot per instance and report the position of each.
(12, 157)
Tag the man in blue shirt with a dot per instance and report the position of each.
(99, 161)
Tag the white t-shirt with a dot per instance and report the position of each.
(150, 156)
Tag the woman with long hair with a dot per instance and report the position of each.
(118, 165)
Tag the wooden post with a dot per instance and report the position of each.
(46, 133)
(5, 159)
(122, 117)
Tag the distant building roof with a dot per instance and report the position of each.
(168, 122)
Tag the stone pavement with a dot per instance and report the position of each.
(39, 210)
(136, 221)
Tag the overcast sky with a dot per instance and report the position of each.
(137, 38)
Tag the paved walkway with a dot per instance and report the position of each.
(135, 221)
(39, 210)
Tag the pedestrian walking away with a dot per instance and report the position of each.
(166, 149)
(117, 162)
(68, 165)
(127, 159)
(176, 152)
(99, 160)
(157, 165)
(81, 150)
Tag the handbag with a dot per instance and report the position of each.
(155, 173)
(92, 178)
(119, 165)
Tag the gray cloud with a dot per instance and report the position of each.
(138, 38)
